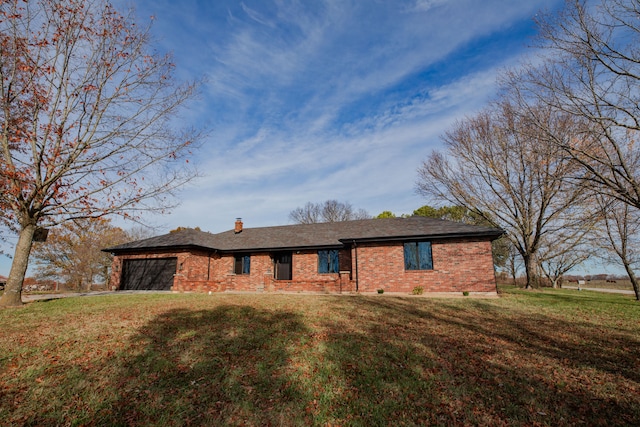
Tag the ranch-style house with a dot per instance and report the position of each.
(394, 254)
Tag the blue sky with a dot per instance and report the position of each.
(310, 100)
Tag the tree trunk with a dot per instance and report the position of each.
(530, 267)
(634, 280)
(513, 270)
(13, 289)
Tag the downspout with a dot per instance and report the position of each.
(209, 264)
(355, 250)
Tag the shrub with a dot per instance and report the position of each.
(381, 291)
(418, 290)
(465, 293)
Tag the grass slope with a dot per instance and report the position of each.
(529, 358)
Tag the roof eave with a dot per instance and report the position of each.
(493, 235)
(175, 248)
(284, 248)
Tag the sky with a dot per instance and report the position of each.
(311, 100)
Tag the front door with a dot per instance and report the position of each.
(282, 261)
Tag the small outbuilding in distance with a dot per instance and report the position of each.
(393, 254)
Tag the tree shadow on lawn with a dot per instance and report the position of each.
(225, 366)
(361, 361)
(480, 364)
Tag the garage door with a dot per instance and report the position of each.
(148, 274)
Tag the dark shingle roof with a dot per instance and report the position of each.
(300, 236)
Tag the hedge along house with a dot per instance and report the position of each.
(394, 254)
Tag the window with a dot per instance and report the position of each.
(328, 261)
(417, 256)
(242, 264)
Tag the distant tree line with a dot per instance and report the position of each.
(327, 211)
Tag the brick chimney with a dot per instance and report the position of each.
(238, 228)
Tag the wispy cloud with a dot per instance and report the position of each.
(425, 5)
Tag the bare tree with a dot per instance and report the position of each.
(309, 214)
(87, 111)
(73, 252)
(513, 263)
(591, 70)
(501, 166)
(561, 255)
(621, 230)
(140, 232)
(329, 211)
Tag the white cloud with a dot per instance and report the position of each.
(425, 5)
(256, 16)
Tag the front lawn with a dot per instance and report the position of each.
(554, 357)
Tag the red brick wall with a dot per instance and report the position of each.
(305, 277)
(458, 266)
(221, 274)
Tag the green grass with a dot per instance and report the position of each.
(602, 284)
(553, 357)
